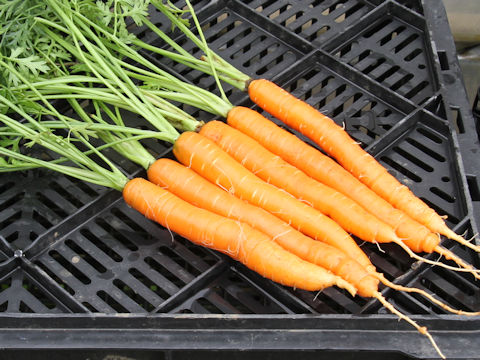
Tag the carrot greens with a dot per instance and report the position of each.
(96, 61)
(84, 68)
(35, 133)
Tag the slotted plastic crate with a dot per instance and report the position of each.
(83, 275)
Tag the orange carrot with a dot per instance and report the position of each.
(189, 186)
(207, 159)
(327, 171)
(199, 191)
(274, 170)
(336, 142)
(236, 239)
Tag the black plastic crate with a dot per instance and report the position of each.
(82, 274)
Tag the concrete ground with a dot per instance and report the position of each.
(464, 20)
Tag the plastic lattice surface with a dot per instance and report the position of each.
(67, 246)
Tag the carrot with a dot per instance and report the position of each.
(300, 116)
(236, 239)
(346, 212)
(274, 170)
(325, 170)
(189, 186)
(207, 159)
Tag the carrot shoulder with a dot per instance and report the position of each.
(236, 239)
(191, 187)
(207, 159)
(336, 142)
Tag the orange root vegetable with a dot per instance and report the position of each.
(326, 171)
(189, 186)
(274, 170)
(238, 240)
(207, 159)
(336, 142)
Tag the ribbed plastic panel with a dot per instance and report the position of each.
(386, 70)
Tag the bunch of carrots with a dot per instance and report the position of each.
(247, 187)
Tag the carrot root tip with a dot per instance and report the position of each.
(379, 248)
(463, 267)
(461, 240)
(425, 294)
(421, 329)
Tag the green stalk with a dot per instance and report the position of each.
(207, 50)
(174, 117)
(185, 54)
(224, 74)
(184, 57)
(94, 127)
(131, 150)
(108, 133)
(157, 98)
(114, 178)
(126, 85)
(125, 50)
(52, 108)
(49, 140)
(99, 178)
(159, 76)
(58, 80)
(130, 89)
(236, 74)
(142, 134)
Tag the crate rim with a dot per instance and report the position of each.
(187, 332)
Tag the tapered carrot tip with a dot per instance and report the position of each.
(464, 266)
(342, 284)
(458, 238)
(444, 306)
(421, 329)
